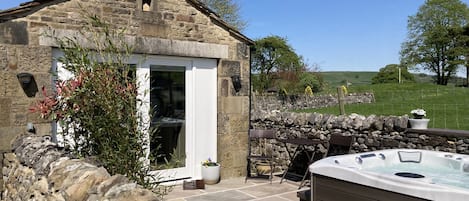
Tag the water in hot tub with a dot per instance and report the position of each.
(438, 175)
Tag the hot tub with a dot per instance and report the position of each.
(395, 174)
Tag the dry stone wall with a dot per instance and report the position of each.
(293, 102)
(38, 170)
(370, 132)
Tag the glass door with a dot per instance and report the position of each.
(168, 108)
(181, 96)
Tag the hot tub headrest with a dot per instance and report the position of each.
(410, 156)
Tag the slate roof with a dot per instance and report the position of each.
(25, 9)
(30, 7)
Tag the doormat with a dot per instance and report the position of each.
(193, 184)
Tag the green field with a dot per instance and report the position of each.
(338, 78)
(334, 79)
(446, 106)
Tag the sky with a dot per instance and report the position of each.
(334, 35)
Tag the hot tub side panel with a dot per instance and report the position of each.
(332, 189)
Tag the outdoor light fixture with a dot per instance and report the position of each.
(27, 83)
(25, 79)
(236, 80)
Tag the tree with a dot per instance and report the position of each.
(272, 58)
(228, 10)
(390, 74)
(435, 40)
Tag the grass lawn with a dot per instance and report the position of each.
(446, 106)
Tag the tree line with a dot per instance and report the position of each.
(437, 42)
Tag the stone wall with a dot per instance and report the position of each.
(271, 102)
(14, 101)
(180, 28)
(37, 170)
(370, 133)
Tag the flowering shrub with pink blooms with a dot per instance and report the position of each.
(97, 108)
(45, 106)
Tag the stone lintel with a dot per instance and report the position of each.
(143, 45)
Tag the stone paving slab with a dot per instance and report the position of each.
(178, 194)
(266, 190)
(231, 195)
(237, 190)
(273, 199)
(289, 196)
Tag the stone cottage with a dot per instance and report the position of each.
(208, 112)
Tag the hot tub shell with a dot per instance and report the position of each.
(346, 177)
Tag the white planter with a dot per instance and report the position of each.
(419, 123)
(211, 174)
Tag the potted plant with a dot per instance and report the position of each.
(418, 121)
(210, 171)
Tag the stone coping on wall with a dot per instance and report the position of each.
(36, 169)
(440, 132)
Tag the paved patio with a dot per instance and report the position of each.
(235, 190)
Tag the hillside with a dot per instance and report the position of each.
(337, 78)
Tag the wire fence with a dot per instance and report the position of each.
(446, 107)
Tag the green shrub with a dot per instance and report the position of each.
(390, 74)
(312, 80)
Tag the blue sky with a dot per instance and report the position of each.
(336, 35)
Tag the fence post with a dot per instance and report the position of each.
(340, 98)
